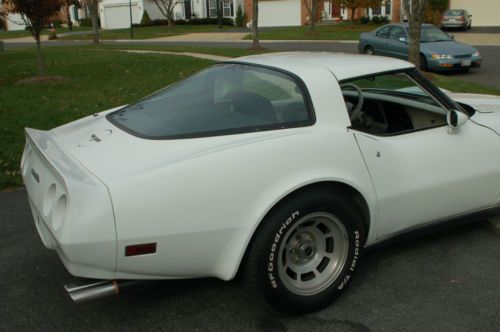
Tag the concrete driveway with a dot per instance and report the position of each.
(444, 282)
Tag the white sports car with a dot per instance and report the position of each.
(288, 164)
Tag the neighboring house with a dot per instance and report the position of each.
(116, 13)
(484, 12)
(12, 21)
(294, 12)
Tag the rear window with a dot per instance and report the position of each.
(454, 12)
(224, 99)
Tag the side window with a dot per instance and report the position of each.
(397, 33)
(384, 32)
(392, 104)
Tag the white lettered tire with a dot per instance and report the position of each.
(307, 250)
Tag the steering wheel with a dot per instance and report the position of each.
(356, 114)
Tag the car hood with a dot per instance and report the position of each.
(487, 108)
(112, 154)
(447, 47)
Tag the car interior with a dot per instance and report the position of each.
(386, 113)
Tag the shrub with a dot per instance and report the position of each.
(203, 21)
(146, 20)
(57, 23)
(384, 19)
(85, 22)
(376, 19)
(364, 20)
(240, 17)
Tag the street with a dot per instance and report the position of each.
(448, 281)
(488, 74)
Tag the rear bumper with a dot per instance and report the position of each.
(453, 24)
(71, 208)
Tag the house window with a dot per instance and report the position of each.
(377, 11)
(226, 8)
(212, 7)
(388, 8)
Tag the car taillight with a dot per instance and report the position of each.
(460, 18)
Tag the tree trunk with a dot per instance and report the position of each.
(255, 28)
(169, 24)
(95, 28)
(41, 63)
(414, 16)
(70, 23)
(353, 13)
(313, 15)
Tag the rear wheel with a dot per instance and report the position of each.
(307, 250)
(369, 50)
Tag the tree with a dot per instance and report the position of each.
(67, 5)
(240, 17)
(414, 12)
(312, 7)
(166, 8)
(35, 14)
(353, 5)
(255, 21)
(438, 7)
(93, 8)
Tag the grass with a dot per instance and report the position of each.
(98, 78)
(342, 31)
(25, 33)
(152, 32)
(448, 82)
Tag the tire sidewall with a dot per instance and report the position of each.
(278, 228)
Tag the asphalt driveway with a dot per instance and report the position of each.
(448, 281)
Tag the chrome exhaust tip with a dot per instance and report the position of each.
(97, 290)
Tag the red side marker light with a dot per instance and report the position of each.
(140, 249)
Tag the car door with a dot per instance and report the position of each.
(397, 43)
(381, 41)
(422, 172)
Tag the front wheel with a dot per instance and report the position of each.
(306, 253)
(369, 50)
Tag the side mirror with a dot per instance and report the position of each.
(470, 16)
(402, 39)
(455, 120)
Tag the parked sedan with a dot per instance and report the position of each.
(456, 18)
(438, 51)
(283, 166)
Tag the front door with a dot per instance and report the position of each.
(187, 9)
(420, 171)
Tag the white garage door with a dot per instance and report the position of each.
(275, 13)
(118, 17)
(484, 12)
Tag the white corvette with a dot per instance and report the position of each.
(288, 164)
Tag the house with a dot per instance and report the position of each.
(484, 12)
(294, 12)
(116, 13)
(12, 21)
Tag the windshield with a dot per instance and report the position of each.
(430, 34)
(226, 98)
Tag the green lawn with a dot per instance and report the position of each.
(97, 78)
(153, 32)
(24, 33)
(342, 31)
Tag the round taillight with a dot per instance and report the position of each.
(48, 202)
(59, 211)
